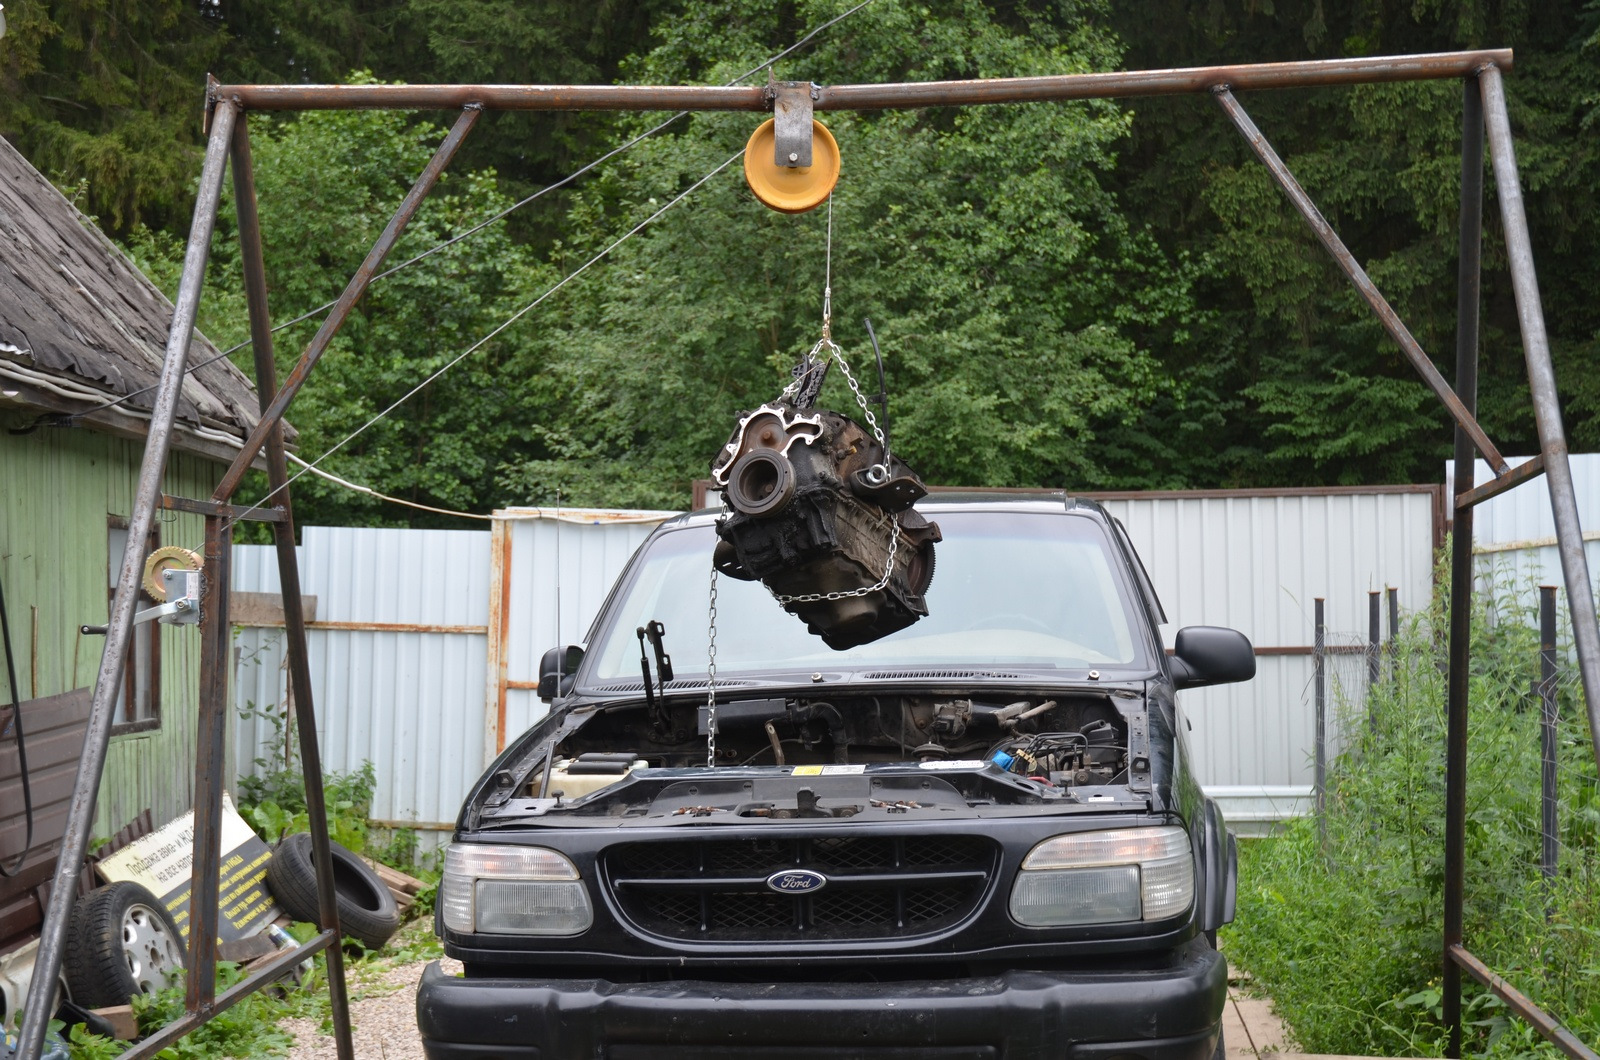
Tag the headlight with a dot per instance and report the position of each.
(1105, 878)
(510, 890)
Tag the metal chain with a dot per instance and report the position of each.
(711, 675)
(846, 594)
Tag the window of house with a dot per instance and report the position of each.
(139, 700)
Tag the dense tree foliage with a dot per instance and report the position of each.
(1085, 295)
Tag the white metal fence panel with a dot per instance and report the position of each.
(561, 572)
(1256, 562)
(397, 658)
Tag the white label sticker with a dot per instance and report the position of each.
(971, 763)
(836, 771)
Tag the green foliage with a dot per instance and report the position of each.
(1084, 294)
(247, 1029)
(273, 799)
(1344, 936)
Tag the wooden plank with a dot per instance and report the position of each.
(53, 727)
(121, 1019)
(264, 609)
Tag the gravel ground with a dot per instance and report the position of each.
(383, 1018)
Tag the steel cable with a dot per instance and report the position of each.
(512, 319)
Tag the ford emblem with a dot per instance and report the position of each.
(797, 881)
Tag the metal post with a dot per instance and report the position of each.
(1374, 652)
(1546, 402)
(209, 762)
(1453, 403)
(1468, 291)
(1548, 822)
(255, 282)
(119, 629)
(1319, 652)
(272, 413)
(1394, 635)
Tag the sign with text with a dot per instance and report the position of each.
(163, 862)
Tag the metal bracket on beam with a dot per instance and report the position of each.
(791, 121)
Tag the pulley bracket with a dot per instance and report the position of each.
(791, 116)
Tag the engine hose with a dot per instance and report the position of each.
(22, 746)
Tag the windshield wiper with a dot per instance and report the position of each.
(656, 706)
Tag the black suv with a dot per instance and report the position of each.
(980, 836)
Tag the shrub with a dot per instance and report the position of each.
(1344, 932)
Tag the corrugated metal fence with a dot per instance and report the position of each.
(1514, 534)
(425, 644)
(405, 626)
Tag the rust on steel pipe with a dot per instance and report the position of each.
(1368, 70)
(341, 309)
(1519, 1003)
(1546, 399)
(1363, 283)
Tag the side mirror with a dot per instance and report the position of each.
(1211, 655)
(556, 669)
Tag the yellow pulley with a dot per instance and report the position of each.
(791, 189)
(167, 557)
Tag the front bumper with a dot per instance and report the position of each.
(1169, 1014)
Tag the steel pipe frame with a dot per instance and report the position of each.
(272, 414)
(1546, 403)
(1358, 277)
(255, 283)
(1482, 66)
(1469, 288)
(870, 97)
(119, 631)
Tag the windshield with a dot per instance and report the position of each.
(1030, 590)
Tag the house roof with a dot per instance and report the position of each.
(80, 324)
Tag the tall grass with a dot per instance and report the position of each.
(1345, 934)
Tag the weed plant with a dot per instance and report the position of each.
(1344, 931)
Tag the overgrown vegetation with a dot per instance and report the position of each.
(1344, 935)
(273, 800)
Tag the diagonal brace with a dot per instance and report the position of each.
(352, 293)
(1363, 284)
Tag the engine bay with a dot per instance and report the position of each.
(1053, 743)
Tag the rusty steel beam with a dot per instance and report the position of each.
(272, 413)
(1469, 290)
(1523, 472)
(1358, 277)
(1119, 83)
(1546, 401)
(266, 973)
(119, 629)
(229, 512)
(255, 283)
(1521, 1005)
(216, 637)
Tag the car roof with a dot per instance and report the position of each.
(952, 499)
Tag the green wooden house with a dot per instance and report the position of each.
(81, 328)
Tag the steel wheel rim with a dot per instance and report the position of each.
(154, 954)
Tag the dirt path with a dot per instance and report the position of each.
(383, 1018)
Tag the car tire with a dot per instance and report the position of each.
(121, 942)
(367, 911)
